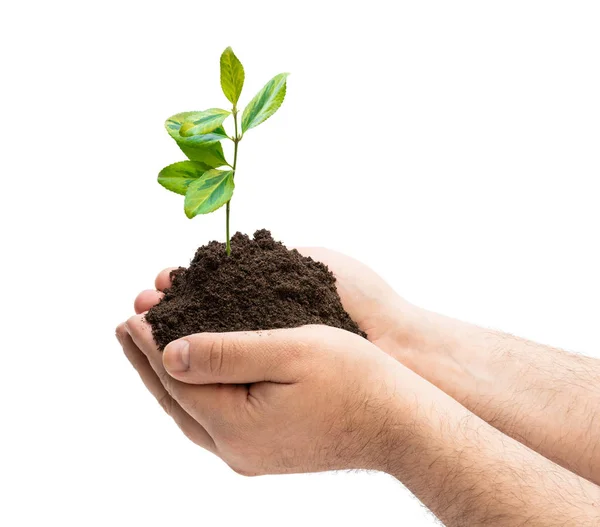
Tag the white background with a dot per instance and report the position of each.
(452, 146)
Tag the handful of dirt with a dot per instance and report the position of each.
(261, 285)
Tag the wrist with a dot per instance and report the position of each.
(398, 419)
(410, 328)
(448, 353)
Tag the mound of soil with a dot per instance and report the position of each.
(261, 285)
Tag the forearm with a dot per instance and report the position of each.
(546, 398)
(468, 473)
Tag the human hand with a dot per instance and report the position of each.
(470, 365)
(369, 300)
(419, 339)
(296, 400)
(388, 320)
(318, 398)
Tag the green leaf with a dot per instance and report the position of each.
(178, 176)
(209, 192)
(232, 76)
(210, 153)
(202, 123)
(173, 123)
(265, 103)
(206, 139)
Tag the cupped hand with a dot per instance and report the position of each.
(294, 400)
(388, 320)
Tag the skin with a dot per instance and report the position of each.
(447, 409)
(546, 398)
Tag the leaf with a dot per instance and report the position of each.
(232, 76)
(209, 192)
(178, 176)
(211, 153)
(265, 103)
(202, 123)
(173, 123)
(205, 139)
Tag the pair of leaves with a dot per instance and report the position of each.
(206, 127)
(205, 149)
(198, 134)
(265, 103)
(205, 189)
(207, 122)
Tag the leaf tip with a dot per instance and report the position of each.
(189, 213)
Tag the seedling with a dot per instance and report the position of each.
(205, 186)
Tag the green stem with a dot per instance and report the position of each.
(236, 140)
(228, 247)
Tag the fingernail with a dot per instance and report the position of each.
(177, 356)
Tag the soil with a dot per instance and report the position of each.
(261, 285)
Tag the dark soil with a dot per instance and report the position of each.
(261, 285)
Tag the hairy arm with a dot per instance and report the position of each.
(318, 398)
(546, 398)
(468, 473)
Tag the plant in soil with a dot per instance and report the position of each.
(199, 134)
(243, 283)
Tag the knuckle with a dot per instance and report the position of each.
(216, 356)
(302, 346)
(165, 380)
(121, 332)
(297, 352)
(165, 402)
(134, 324)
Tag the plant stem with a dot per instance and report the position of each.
(236, 140)
(228, 246)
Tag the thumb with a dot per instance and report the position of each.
(280, 355)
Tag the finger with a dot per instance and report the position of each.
(141, 334)
(205, 403)
(146, 299)
(163, 280)
(279, 356)
(189, 426)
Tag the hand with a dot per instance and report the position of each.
(402, 431)
(379, 311)
(296, 400)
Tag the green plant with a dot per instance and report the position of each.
(199, 134)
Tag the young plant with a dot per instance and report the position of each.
(205, 186)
